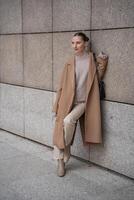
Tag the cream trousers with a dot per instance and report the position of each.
(69, 126)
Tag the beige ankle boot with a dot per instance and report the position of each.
(61, 167)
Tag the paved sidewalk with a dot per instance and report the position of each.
(27, 172)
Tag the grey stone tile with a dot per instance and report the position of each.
(37, 182)
(8, 152)
(11, 65)
(120, 194)
(38, 115)
(8, 137)
(28, 177)
(71, 15)
(11, 118)
(24, 145)
(38, 61)
(8, 194)
(119, 45)
(117, 151)
(62, 51)
(112, 13)
(37, 16)
(23, 166)
(31, 177)
(94, 174)
(10, 16)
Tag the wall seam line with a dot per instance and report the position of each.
(67, 31)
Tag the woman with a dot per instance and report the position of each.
(78, 98)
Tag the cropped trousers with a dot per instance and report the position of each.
(69, 124)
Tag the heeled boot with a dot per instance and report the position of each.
(61, 168)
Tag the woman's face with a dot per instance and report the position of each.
(78, 45)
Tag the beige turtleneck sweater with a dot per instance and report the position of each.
(81, 73)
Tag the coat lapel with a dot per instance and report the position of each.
(72, 72)
(92, 71)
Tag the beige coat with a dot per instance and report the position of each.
(90, 121)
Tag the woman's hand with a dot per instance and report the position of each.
(102, 61)
(102, 55)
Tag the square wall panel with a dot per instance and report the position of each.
(112, 13)
(62, 51)
(119, 77)
(117, 151)
(71, 15)
(38, 115)
(38, 61)
(11, 64)
(37, 16)
(11, 107)
(10, 16)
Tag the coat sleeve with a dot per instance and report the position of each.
(59, 90)
(101, 62)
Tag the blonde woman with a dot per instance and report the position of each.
(78, 98)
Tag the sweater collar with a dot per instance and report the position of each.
(81, 57)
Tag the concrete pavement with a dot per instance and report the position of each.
(28, 172)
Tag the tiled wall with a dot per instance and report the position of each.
(34, 46)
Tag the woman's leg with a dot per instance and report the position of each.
(58, 154)
(69, 127)
(70, 120)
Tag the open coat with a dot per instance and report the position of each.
(90, 121)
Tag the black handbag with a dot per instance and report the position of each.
(101, 85)
(102, 90)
